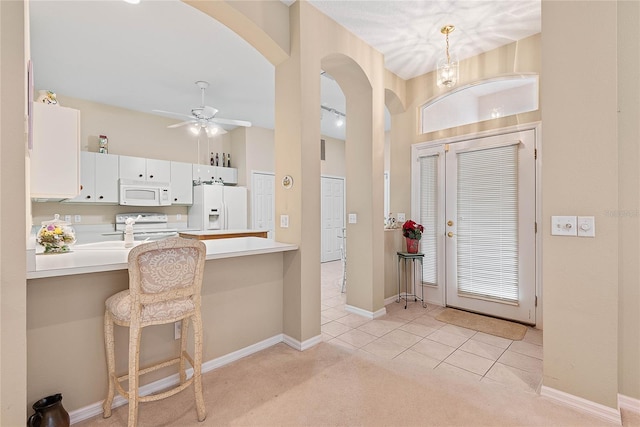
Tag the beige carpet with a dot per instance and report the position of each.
(488, 325)
(329, 385)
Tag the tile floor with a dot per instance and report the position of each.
(414, 336)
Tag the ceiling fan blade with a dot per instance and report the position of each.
(173, 114)
(177, 125)
(231, 122)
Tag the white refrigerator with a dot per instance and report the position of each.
(218, 207)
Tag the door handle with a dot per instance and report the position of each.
(450, 234)
(449, 223)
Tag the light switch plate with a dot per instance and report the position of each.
(402, 217)
(564, 226)
(586, 226)
(353, 218)
(284, 221)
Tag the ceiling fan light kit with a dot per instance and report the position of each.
(204, 117)
(447, 73)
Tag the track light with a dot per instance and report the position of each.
(339, 116)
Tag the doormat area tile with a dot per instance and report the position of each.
(488, 325)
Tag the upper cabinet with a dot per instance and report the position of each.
(181, 183)
(141, 169)
(56, 152)
(229, 176)
(98, 178)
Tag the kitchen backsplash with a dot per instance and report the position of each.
(99, 215)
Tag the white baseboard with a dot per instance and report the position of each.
(389, 300)
(629, 404)
(95, 409)
(301, 346)
(365, 313)
(584, 405)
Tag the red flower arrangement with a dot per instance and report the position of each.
(412, 230)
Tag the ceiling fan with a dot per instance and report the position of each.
(204, 117)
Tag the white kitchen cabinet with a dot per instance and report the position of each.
(98, 178)
(229, 176)
(55, 157)
(203, 172)
(141, 169)
(181, 183)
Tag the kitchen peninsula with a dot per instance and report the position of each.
(242, 311)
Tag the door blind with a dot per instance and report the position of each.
(429, 217)
(487, 229)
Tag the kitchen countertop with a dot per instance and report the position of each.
(109, 256)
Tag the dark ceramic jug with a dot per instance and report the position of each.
(49, 413)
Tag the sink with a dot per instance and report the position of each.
(109, 245)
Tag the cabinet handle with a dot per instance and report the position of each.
(140, 175)
(88, 197)
(150, 176)
(175, 200)
(81, 187)
(101, 197)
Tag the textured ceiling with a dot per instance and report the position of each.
(148, 56)
(408, 32)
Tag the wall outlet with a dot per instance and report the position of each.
(178, 217)
(284, 221)
(177, 330)
(78, 218)
(402, 217)
(353, 218)
(67, 218)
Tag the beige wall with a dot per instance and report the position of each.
(133, 133)
(65, 325)
(580, 276)
(13, 369)
(334, 163)
(629, 202)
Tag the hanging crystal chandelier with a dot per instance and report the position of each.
(447, 66)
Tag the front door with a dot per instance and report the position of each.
(477, 199)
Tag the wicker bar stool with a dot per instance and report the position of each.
(165, 279)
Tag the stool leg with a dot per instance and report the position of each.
(183, 350)
(111, 364)
(134, 356)
(197, 368)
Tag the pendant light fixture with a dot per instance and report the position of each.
(447, 66)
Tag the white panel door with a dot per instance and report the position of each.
(263, 202)
(332, 217)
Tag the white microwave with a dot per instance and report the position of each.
(140, 193)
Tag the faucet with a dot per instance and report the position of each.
(128, 231)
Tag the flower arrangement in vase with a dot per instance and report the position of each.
(56, 236)
(412, 232)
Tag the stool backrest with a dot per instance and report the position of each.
(166, 269)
